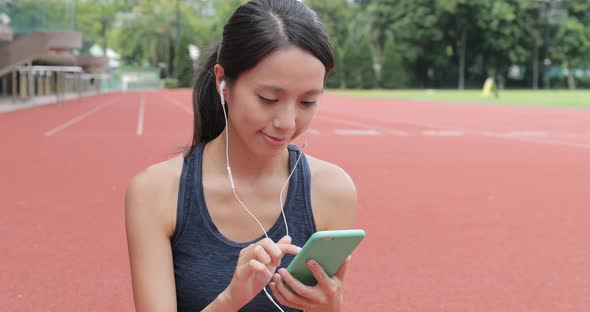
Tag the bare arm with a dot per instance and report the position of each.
(342, 199)
(149, 227)
(150, 254)
(334, 197)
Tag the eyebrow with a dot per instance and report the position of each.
(281, 90)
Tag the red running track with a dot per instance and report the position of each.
(467, 207)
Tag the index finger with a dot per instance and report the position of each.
(273, 250)
(289, 249)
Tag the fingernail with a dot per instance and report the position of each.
(311, 263)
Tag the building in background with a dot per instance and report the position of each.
(39, 54)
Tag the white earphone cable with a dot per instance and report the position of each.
(233, 186)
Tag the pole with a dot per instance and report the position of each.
(104, 30)
(172, 71)
(14, 86)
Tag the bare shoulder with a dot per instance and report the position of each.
(154, 191)
(334, 195)
(150, 210)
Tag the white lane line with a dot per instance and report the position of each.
(140, 118)
(363, 125)
(517, 134)
(75, 120)
(313, 131)
(545, 141)
(527, 134)
(357, 132)
(529, 139)
(398, 132)
(443, 133)
(178, 104)
(116, 135)
(560, 143)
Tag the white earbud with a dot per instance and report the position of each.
(221, 89)
(231, 179)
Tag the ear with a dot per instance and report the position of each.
(219, 75)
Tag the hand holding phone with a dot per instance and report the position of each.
(328, 248)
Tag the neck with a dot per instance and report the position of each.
(245, 164)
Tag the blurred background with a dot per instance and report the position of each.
(465, 125)
(61, 46)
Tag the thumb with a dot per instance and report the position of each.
(342, 270)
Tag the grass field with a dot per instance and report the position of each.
(555, 98)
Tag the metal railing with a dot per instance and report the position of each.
(26, 82)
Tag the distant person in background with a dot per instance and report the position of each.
(196, 236)
(490, 86)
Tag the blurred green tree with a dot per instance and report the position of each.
(573, 47)
(351, 65)
(184, 64)
(393, 74)
(366, 63)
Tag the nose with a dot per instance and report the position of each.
(285, 118)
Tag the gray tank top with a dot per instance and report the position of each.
(204, 259)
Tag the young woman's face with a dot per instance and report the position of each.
(273, 103)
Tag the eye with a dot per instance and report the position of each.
(309, 103)
(268, 101)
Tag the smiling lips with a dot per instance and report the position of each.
(273, 140)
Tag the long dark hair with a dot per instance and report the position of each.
(255, 30)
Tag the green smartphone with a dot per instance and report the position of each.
(329, 248)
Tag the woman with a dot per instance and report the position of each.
(202, 236)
